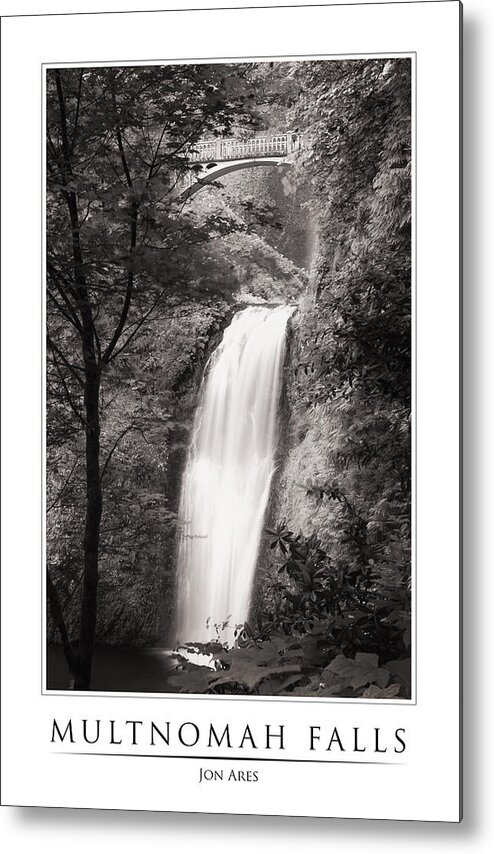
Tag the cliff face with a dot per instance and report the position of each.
(306, 444)
(343, 476)
(307, 447)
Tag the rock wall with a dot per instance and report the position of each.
(305, 446)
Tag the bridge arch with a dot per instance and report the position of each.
(213, 171)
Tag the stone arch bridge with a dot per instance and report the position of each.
(212, 159)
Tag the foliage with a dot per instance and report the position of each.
(290, 230)
(288, 664)
(246, 261)
(359, 607)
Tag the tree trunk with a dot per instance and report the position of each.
(92, 379)
(94, 506)
(58, 619)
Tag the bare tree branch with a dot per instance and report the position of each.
(64, 487)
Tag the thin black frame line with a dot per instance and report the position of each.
(230, 8)
(205, 60)
(236, 698)
(460, 414)
(44, 603)
(251, 759)
(359, 701)
(1, 420)
(414, 442)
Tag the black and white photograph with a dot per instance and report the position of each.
(229, 396)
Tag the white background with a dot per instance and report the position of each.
(58, 830)
(425, 785)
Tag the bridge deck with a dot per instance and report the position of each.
(217, 150)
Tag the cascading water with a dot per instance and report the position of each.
(228, 475)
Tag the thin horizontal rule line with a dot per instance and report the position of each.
(228, 758)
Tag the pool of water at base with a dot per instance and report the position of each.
(116, 668)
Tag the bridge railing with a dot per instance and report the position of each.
(207, 151)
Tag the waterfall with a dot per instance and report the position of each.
(228, 475)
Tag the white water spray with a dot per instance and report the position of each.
(228, 475)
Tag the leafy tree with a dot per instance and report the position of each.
(117, 143)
